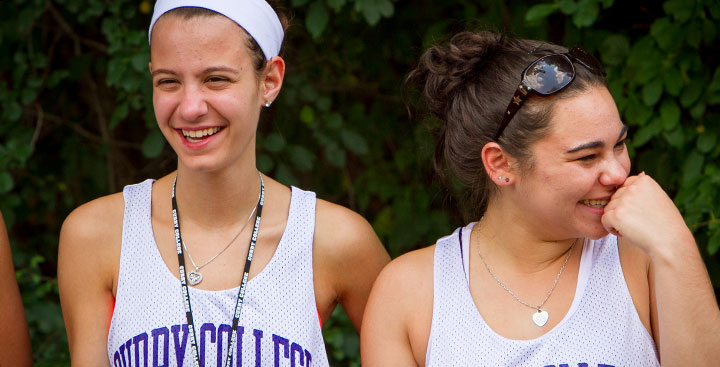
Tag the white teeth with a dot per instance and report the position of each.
(197, 135)
(595, 203)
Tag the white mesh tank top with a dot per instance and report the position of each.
(279, 323)
(601, 329)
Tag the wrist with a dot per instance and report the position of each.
(671, 248)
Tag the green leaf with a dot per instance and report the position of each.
(691, 92)
(714, 8)
(637, 113)
(6, 182)
(615, 49)
(586, 14)
(335, 155)
(645, 133)
(307, 115)
(668, 35)
(669, 114)
(120, 113)
(645, 60)
(709, 31)
(56, 77)
(317, 18)
(567, 7)
(337, 5)
(333, 121)
(301, 158)
(140, 62)
(264, 162)
(698, 110)
(673, 81)
(714, 243)
(692, 167)
(675, 137)
(285, 175)
(694, 34)
(652, 91)
(12, 112)
(274, 143)
(354, 142)
(539, 11)
(706, 141)
(679, 9)
(153, 144)
(373, 10)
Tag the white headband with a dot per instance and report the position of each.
(256, 17)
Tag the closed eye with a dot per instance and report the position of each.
(622, 143)
(166, 81)
(587, 158)
(217, 79)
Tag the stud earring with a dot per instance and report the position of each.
(267, 104)
(507, 179)
(499, 178)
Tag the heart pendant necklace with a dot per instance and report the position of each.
(540, 317)
(194, 277)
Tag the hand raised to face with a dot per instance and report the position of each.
(641, 212)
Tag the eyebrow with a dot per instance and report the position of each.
(597, 143)
(209, 70)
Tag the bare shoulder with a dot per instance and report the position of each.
(398, 318)
(347, 257)
(408, 280)
(94, 220)
(343, 230)
(92, 234)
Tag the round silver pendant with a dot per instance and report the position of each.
(194, 277)
(540, 317)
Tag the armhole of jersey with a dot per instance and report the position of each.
(465, 233)
(585, 268)
(464, 244)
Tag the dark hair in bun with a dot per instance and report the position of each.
(467, 82)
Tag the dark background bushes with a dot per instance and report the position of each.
(76, 118)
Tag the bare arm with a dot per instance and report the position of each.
(14, 337)
(397, 321)
(88, 258)
(348, 256)
(684, 313)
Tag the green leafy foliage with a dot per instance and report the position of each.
(76, 118)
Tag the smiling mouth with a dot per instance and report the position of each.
(195, 136)
(595, 203)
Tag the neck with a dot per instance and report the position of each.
(217, 200)
(508, 239)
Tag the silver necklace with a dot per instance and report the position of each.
(540, 317)
(195, 276)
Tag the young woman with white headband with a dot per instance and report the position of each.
(215, 264)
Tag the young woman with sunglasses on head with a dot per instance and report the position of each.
(14, 337)
(570, 261)
(215, 264)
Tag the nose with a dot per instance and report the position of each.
(616, 171)
(193, 105)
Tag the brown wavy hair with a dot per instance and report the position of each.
(467, 83)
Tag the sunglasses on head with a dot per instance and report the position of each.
(546, 76)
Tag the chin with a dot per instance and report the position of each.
(595, 232)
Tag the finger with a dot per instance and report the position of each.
(631, 180)
(607, 221)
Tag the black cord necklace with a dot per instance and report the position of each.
(246, 273)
